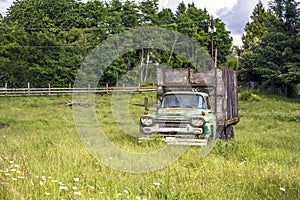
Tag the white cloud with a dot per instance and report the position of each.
(4, 5)
(213, 6)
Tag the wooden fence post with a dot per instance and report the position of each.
(49, 89)
(5, 89)
(69, 88)
(28, 88)
(139, 87)
(146, 103)
(107, 88)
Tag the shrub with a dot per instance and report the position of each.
(249, 96)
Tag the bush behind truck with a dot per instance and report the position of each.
(193, 108)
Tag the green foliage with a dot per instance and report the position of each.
(255, 29)
(297, 89)
(232, 64)
(248, 95)
(46, 41)
(272, 57)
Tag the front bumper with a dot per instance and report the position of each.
(175, 129)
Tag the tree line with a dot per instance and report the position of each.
(45, 41)
(271, 47)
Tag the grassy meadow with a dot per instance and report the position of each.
(42, 156)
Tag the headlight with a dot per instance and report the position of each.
(146, 120)
(197, 121)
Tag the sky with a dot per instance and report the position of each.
(234, 13)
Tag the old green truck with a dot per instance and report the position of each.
(192, 108)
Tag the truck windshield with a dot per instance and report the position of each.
(183, 101)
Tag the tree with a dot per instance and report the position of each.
(45, 41)
(275, 60)
(166, 17)
(49, 49)
(181, 8)
(149, 10)
(196, 23)
(282, 46)
(255, 29)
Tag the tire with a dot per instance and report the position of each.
(229, 133)
(220, 132)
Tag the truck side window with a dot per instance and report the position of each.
(208, 103)
(201, 102)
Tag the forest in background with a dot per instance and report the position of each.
(46, 41)
(271, 47)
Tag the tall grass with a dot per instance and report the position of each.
(42, 157)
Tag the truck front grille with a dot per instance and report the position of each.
(172, 125)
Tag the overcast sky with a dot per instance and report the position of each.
(235, 13)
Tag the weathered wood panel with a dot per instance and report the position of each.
(220, 84)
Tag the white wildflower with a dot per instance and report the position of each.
(92, 187)
(19, 172)
(157, 184)
(21, 177)
(7, 174)
(54, 181)
(61, 183)
(63, 187)
(126, 192)
(14, 179)
(77, 193)
(13, 170)
(16, 166)
(47, 193)
(282, 189)
(75, 188)
(76, 179)
(43, 178)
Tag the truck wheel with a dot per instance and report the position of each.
(229, 133)
(220, 132)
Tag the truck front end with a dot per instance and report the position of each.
(182, 118)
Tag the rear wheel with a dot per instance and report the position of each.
(229, 133)
(220, 132)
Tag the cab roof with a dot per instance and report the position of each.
(187, 92)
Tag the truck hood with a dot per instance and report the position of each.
(184, 112)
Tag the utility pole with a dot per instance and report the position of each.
(212, 40)
(214, 63)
